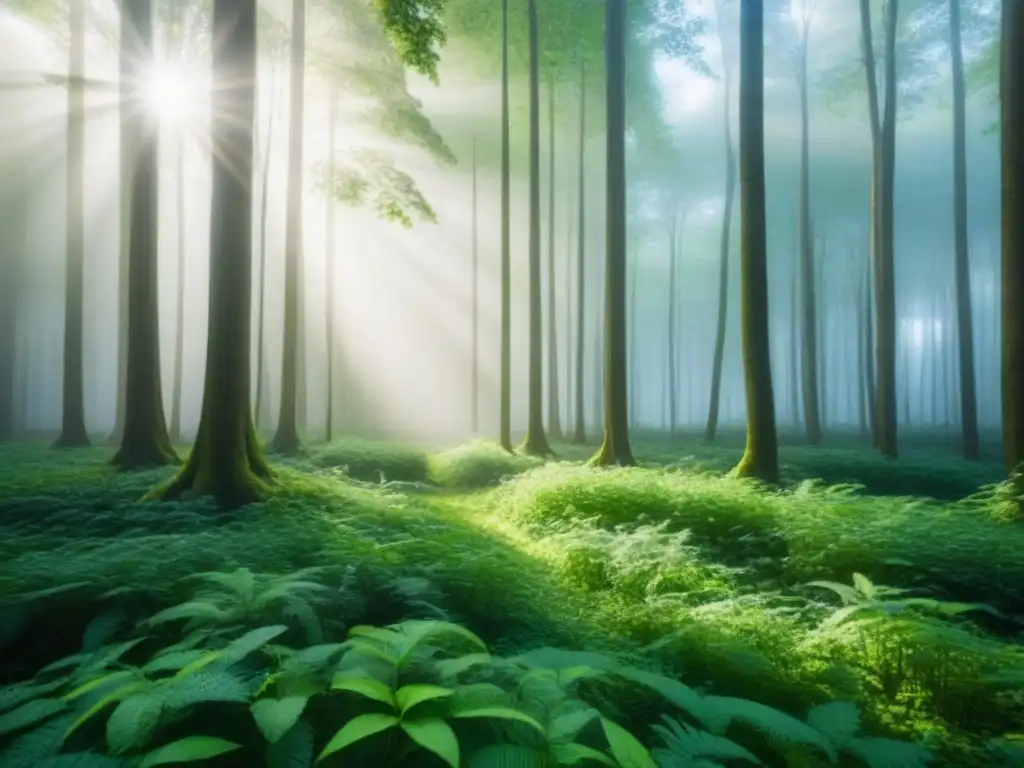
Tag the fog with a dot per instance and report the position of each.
(404, 296)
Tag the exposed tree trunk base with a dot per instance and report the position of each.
(611, 454)
(143, 453)
(579, 435)
(286, 444)
(232, 479)
(536, 444)
(73, 438)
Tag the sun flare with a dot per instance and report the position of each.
(169, 93)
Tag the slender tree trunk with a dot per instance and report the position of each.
(711, 427)
(145, 441)
(474, 398)
(1012, 131)
(227, 462)
(286, 439)
(12, 260)
(506, 256)
(670, 357)
(794, 342)
(73, 432)
(262, 374)
(567, 309)
(179, 315)
(579, 434)
(821, 335)
(632, 348)
(554, 412)
(761, 457)
(808, 300)
(302, 360)
(863, 401)
(615, 448)
(331, 255)
(962, 269)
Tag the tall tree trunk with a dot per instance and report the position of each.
(536, 442)
(286, 439)
(808, 300)
(506, 257)
(964, 318)
(761, 457)
(302, 360)
(73, 432)
(883, 140)
(145, 441)
(632, 275)
(179, 313)
(567, 309)
(821, 334)
(554, 412)
(670, 357)
(262, 374)
(1012, 131)
(474, 398)
(615, 448)
(579, 433)
(331, 255)
(863, 401)
(12, 259)
(795, 346)
(711, 427)
(227, 462)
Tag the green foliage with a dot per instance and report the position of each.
(415, 29)
(374, 461)
(478, 464)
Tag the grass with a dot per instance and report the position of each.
(672, 563)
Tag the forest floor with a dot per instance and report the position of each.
(898, 586)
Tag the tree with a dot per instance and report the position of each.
(226, 461)
(145, 441)
(579, 432)
(505, 432)
(286, 439)
(331, 299)
(73, 432)
(883, 143)
(554, 414)
(711, 427)
(536, 441)
(474, 406)
(761, 456)
(615, 448)
(961, 262)
(1011, 132)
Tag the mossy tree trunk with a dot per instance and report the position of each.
(670, 357)
(73, 432)
(127, 155)
(505, 405)
(961, 263)
(226, 461)
(761, 457)
(262, 374)
(711, 427)
(536, 441)
(615, 448)
(554, 412)
(474, 397)
(794, 341)
(10, 258)
(286, 438)
(632, 274)
(579, 432)
(179, 330)
(145, 441)
(883, 142)
(1012, 138)
(863, 351)
(332, 127)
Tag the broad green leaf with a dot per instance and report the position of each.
(357, 729)
(454, 667)
(364, 686)
(628, 752)
(30, 713)
(111, 698)
(410, 695)
(367, 648)
(191, 610)
(564, 727)
(133, 722)
(174, 661)
(275, 717)
(241, 647)
(434, 735)
(500, 713)
(190, 749)
(294, 749)
(571, 754)
(13, 695)
(99, 681)
(509, 756)
(203, 661)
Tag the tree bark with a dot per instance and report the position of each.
(286, 438)
(474, 398)
(794, 341)
(761, 456)
(632, 274)
(331, 298)
(262, 374)
(179, 315)
(670, 357)
(505, 430)
(73, 431)
(711, 427)
(579, 433)
(962, 270)
(615, 448)
(1012, 144)
(226, 461)
(554, 411)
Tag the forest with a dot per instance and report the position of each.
(628, 383)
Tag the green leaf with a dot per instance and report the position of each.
(133, 722)
(30, 713)
(566, 726)
(111, 698)
(628, 752)
(500, 713)
(294, 750)
(453, 667)
(357, 729)
(434, 735)
(509, 756)
(571, 754)
(13, 695)
(191, 610)
(275, 717)
(97, 682)
(409, 696)
(174, 661)
(364, 686)
(241, 647)
(190, 749)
